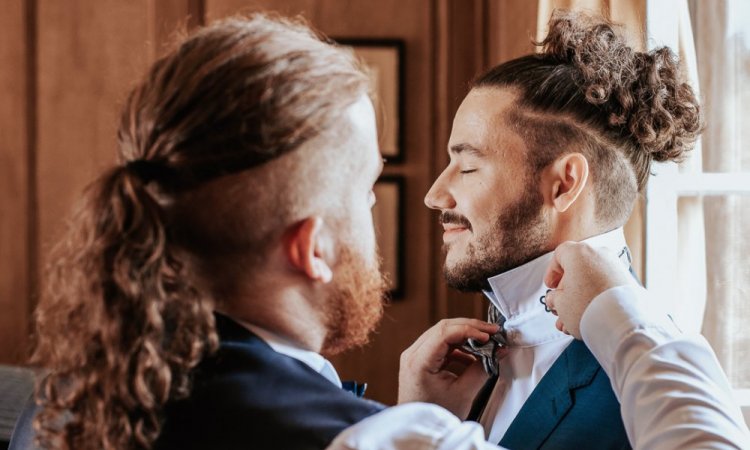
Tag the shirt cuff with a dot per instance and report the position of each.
(616, 314)
(416, 426)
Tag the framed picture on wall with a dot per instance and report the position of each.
(387, 215)
(384, 59)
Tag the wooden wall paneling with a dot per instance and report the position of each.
(411, 21)
(90, 52)
(65, 67)
(441, 125)
(175, 18)
(461, 36)
(15, 163)
(511, 28)
(310, 9)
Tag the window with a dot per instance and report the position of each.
(698, 214)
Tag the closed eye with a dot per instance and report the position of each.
(468, 171)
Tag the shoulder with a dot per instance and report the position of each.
(246, 392)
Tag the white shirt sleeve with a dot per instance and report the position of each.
(413, 426)
(672, 391)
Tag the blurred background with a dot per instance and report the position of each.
(66, 67)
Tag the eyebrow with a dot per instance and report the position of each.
(465, 148)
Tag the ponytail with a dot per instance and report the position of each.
(121, 325)
(116, 284)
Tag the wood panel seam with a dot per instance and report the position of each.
(32, 244)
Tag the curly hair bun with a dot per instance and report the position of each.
(642, 93)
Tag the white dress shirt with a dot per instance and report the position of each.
(673, 392)
(280, 345)
(533, 341)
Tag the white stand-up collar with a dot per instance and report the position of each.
(533, 341)
(517, 292)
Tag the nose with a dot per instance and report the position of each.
(439, 197)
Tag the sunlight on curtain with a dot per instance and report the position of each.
(722, 35)
(690, 279)
(630, 13)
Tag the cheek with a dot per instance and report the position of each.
(482, 209)
(362, 230)
(367, 230)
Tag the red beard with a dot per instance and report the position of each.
(355, 305)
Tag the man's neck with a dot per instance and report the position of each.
(285, 312)
(578, 232)
(517, 291)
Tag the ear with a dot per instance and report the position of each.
(567, 177)
(303, 246)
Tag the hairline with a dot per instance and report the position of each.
(517, 117)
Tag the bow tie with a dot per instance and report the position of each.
(487, 352)
(355, 388)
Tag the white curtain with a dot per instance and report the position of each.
(629, 13)
(722, 30)
(691, 243)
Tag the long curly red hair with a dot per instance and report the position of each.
(122, 321)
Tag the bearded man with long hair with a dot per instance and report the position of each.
(203, 276)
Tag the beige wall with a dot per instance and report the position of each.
(65, 68)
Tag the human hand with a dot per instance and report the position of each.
(577, 274)
(433, 369)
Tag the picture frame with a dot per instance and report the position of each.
(385, 60)
(388, 218)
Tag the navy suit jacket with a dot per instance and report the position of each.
(247, 396)
(572, 407)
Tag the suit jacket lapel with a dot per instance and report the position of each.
(551, 399)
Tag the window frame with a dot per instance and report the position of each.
(667, 184)
(663, 191)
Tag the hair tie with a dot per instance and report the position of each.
(146, 170)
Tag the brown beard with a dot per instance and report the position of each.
(355, 306)
(523, 237)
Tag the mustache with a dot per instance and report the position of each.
(448, 217)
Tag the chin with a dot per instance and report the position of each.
(453, 253)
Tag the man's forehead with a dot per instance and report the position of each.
(358, 132)
(481, 121)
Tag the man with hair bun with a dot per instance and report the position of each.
(674, 394)
(547, 148)
(204, 274)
